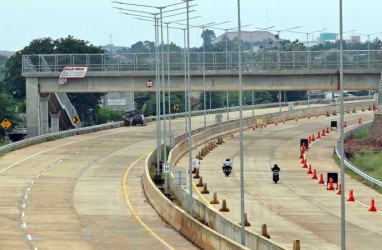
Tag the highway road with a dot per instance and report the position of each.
(297, 207)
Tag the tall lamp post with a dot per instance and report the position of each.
(368, 46)
(241, 130)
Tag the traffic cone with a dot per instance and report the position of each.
(231, 134)
(224, 207)
(323, 132)
(284, 121)
(296, 119)
(305, 164)
(314, 177)
(351, 197)
(327, 130)
(318, 135)
(313, 137)
(345, 126)
(310, 169)
(360, 121)
(372, 206)
(339, 189)
(309, 139)
(215, 199)
(276, 123)
(302, 159)
(321, 181)
(330, 187)
(308, 116)
(316, 116)
(254, 128)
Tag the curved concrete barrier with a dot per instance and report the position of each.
(221, 233)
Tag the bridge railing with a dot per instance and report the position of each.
(214, 61)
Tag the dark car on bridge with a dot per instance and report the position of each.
(138, 119)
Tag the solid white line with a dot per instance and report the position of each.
(47, 150)
(29, 237)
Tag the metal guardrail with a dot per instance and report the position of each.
(38, 139)
(372, 181)
(213, 61)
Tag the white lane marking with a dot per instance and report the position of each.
(76, 153)
(23, 214)
(86, 149)
(24, 225)
(32, 182)
(52, 165)
(60, 161)
(35, 248)
(26, 197)
(29, 237)
(44, 170)
(29, 189)
(23, 205)
(37, 175)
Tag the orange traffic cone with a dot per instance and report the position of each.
(318, 135)
(330, 187)
(323, 132)
(254, 128)
(372, 206)
(284, 121)
(314, 177)
(316, 116)
(309, 139)
(360, 121)
(339, 189)
(305, 164)
(296, 119)
(327, 130)
(313, 137)
(321, 181)
(345, 126)
(310, 169)
(302, 159)
(351, 197)
(308, 116)
(231, 134)
(276, 123)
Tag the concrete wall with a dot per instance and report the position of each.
(221, 225)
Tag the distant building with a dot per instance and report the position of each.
(256, 38)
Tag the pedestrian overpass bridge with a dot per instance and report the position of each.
(212, 71)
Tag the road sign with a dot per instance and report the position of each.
(149, 83)
(6, 124)
(76, 119)
(166, 168)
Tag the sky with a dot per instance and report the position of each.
(99, 23)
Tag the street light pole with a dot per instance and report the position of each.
(241, 131)
(343, 232)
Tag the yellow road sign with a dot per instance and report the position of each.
(6, 124)
(76, 119)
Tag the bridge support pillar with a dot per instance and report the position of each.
(55, 122)
(44, 114)
(32, 107)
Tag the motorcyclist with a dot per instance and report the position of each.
(227, 164)
(275, 169)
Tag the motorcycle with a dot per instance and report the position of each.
(275, 176)
(227, 170)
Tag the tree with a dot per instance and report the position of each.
(14, 83)
(7, 109)
(208, 36)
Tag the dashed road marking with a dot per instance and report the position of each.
(25, 197)
(29, 237)
(23, 214)
(23, 205)
(24, 225)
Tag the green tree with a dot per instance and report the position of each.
(7, 110)
(14, 83)
(208, 36)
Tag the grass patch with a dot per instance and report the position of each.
(369, 163)
(51, 138)
(362, 135)
(355, 176)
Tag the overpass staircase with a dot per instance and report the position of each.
(58, 102)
